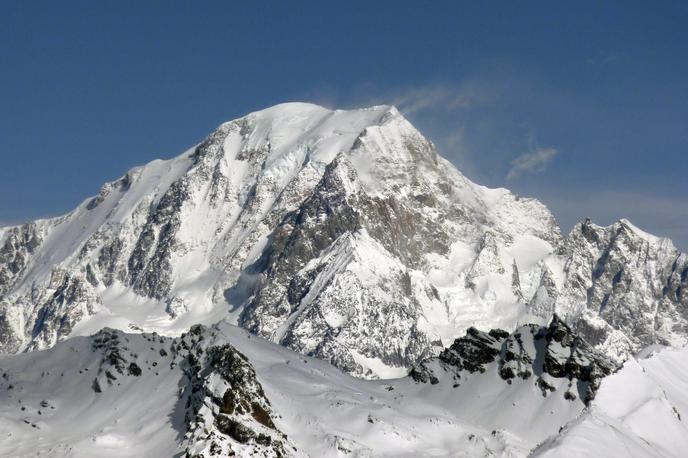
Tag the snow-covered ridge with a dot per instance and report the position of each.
(340, 234)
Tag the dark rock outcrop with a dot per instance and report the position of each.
(539, 352)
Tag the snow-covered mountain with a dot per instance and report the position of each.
(624, 288)
(220, 391)
(339, 234)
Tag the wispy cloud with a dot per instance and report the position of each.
(602, 57)
(533, 162)
(439, 109)
(435, 97)
(455, 115)
(445, 97)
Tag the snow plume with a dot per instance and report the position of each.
(534, 162)
(432, 97)
(446, 111)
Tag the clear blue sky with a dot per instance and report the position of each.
(583, 106)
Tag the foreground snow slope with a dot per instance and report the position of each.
(339, 234)
(640, 412)
(221, 389)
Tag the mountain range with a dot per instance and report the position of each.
(345, 237)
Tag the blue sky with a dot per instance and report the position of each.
(582, 106)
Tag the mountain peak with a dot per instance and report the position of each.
(339, 233)
(305, 108)
(623, 225)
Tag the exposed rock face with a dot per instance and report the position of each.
(70, 299)
(19, 243)
(224, 407)
(227, 411)
(117, 359)
(624, 289)
(307, 273)
(531, 352)
(17, 246)
(149, 263)
(340, 234)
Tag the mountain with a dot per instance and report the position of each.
(339, 234)
(220, 391)
(626, 289)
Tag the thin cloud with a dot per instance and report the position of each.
(445, 113)
(603, 58)
(434, 97)
(534, 162)
(427, 99)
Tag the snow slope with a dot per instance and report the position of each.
(639, 411)
(82, 398)
(220, 390)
